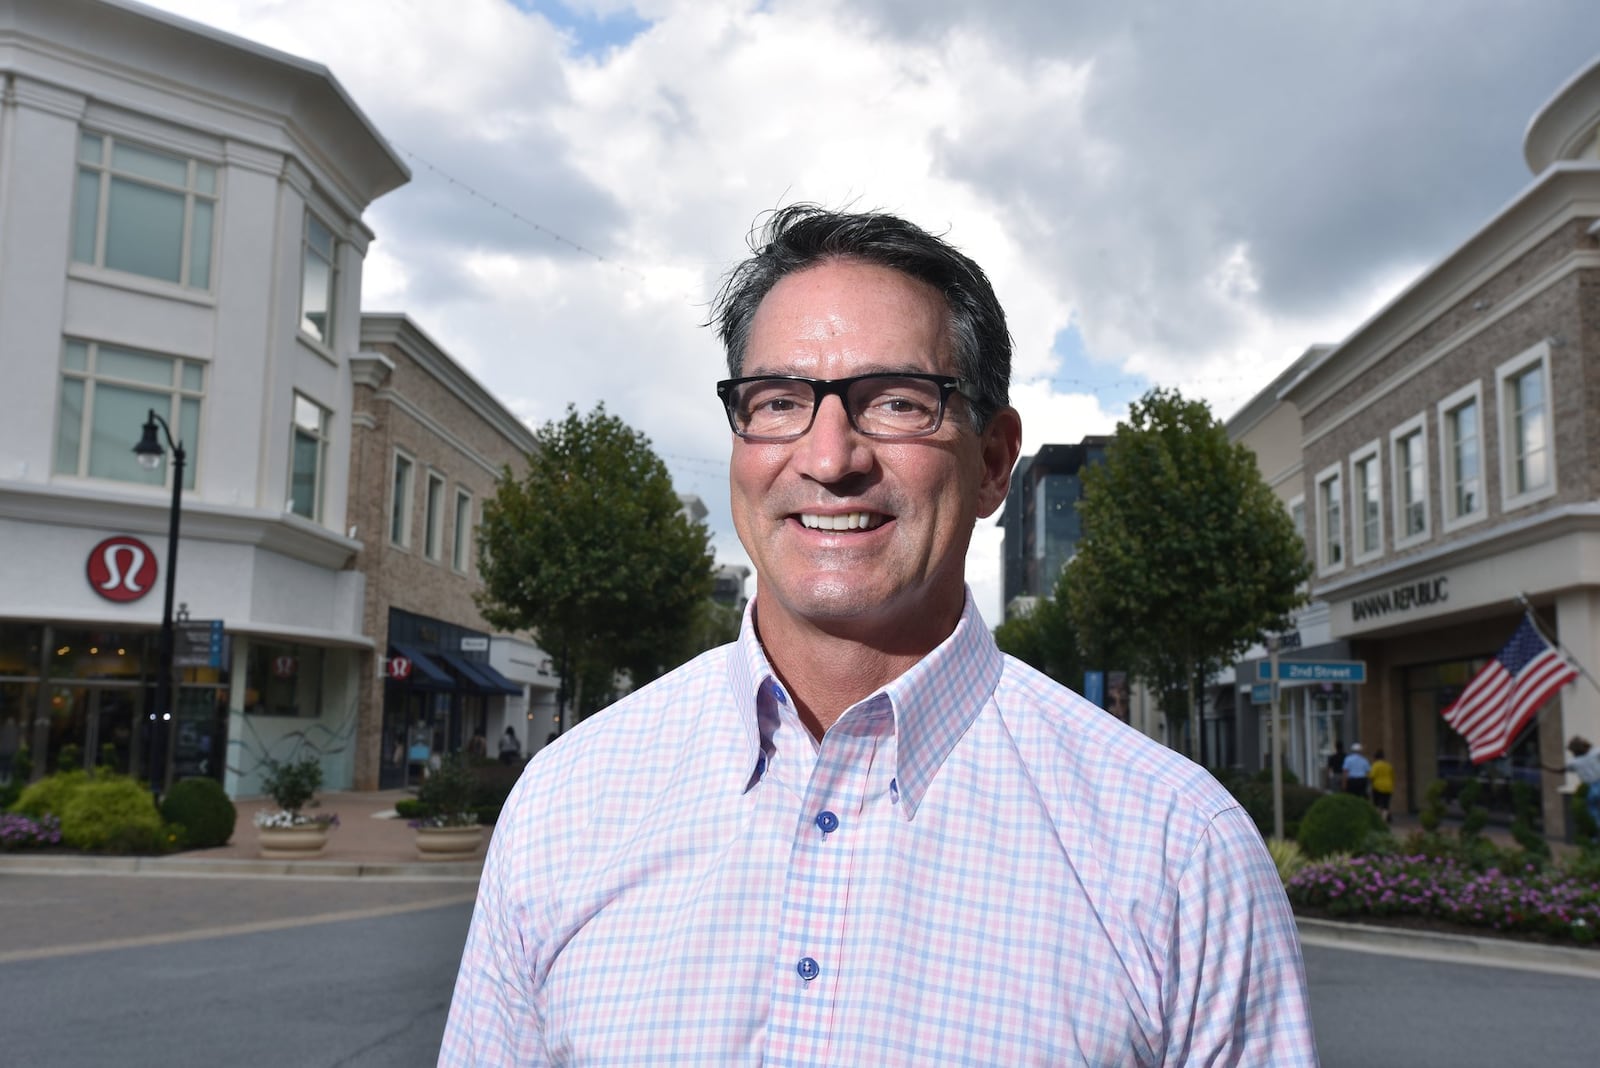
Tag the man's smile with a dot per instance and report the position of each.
(843, 521)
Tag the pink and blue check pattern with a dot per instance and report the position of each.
(974, 867)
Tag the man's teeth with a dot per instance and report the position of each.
(848, 521)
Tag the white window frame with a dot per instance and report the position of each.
(401, 499)
(1331, 542)
(433, 517)
(1536, 358)
(1402, 538)
(1369, 458)
(319, 434)
(180, 401)
(309, 251)
(461, 532)
(1450, 517)
(201, 193)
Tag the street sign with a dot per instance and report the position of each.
(197, 643)
(1261, 693)
(1302, 672)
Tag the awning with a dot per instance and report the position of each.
(476, 677)
(425, 674)
(507, 687)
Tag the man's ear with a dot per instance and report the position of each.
(1001, 443)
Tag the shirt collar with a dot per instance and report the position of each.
(934, 702)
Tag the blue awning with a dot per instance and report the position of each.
(425, 674)
(507, 687)
(475, 676)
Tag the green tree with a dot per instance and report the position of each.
(1187, 556)
(591, 551)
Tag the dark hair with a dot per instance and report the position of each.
(805, 235)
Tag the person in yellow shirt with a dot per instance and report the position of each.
(1382, 783)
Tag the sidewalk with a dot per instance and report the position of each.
(371, 840)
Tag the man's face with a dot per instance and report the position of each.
(893, 575)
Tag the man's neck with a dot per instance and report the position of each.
(826, 671)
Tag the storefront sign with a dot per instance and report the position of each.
(121, 569)
(399, 667)
(474, 645)
(1401, 598)
(197, 643)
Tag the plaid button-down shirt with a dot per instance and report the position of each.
(974, 867)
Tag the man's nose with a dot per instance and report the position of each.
(832, 448)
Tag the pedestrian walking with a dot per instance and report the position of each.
(1382, 783)
(510, 747)
(1357, 771)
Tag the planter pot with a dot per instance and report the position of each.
(448, 843)
(292, 843)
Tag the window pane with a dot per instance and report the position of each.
(303, 479)
(316, 316)
(77, 357)
(319, 237)
(69, 427)
(200, 246)
(130, 159)
(401, 501)
(463, 531)
(89, 148)
(85, 216)
(205, 178)
(194, 376)
(435, 503)
(144, 230)
(189, 434)
(307, 414)
(136, 367)
(119, 416)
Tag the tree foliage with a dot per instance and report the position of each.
(591, 551)
(1187, 556)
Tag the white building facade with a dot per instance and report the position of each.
(180, 232)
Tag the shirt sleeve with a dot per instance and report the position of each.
(493, 1018)
(1236, 988)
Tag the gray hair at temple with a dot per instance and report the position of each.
(805, 235)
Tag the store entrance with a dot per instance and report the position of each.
(92, 726)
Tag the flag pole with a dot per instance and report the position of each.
(1533, 617)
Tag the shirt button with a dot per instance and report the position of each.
(827, 822)
(807, 968)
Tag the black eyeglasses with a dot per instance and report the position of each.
(779, 408)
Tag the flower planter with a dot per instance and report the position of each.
(448, 843)
(292, 843)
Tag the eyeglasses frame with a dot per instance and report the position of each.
(822, 388)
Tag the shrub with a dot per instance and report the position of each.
(1524, 803)
(292, 785)
(69, 757)
(112, 813)
(1256, 798)
(203, 809)
(446, 795)
(1432, 814)
(1287, 855)
(49, 796)
(409, 808)
(1338, 823)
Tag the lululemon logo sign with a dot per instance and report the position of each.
(399, 667)
(284, 666)
(121, 569)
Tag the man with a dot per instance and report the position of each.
(861, 835)
(1585, 764)
(1356, 770)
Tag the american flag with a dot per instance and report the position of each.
(1505, 695)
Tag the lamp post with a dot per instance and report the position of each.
(150, 454)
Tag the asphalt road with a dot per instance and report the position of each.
(146, 970)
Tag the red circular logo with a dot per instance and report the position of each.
(121, 569)
(399, 667)
(284, 666)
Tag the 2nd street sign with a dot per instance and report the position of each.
(1293, 672)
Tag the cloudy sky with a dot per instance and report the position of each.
(1183, 194)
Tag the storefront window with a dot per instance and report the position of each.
(284, 679)
(98, 654)
(19, 649)
(1431, 688)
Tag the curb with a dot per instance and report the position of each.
(456, 871)
(1450, 948)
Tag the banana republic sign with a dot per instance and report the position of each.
(1402, 598)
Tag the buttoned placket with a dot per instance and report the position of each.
(817, 889)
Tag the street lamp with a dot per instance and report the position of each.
(150, 454)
